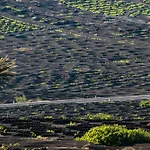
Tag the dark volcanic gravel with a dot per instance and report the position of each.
(73, 53)
(54, 126)
(64, 54)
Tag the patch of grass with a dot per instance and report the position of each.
(9, 146)
(50, 131)
(115, 135)
(72, 123)
(122, 61)
(48, 117)
(145, 103)
(19, 99)
(23, 118)
(98, 116)
(136, 117)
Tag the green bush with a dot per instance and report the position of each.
(115, 135)
(145, 103)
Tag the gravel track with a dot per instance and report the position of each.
(80, 100)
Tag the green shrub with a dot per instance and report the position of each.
(145, 103)
(115, 135)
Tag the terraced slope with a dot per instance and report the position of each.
(70, 49)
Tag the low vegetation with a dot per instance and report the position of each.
(3, 130)
(9, 25)
(145, 103)
(115, 8)
(98, 116)
(20, 99)
(115, 135)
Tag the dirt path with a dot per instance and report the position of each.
(79, 100)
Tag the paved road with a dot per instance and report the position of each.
(79, 100)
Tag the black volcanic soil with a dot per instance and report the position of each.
(74, 53)
(55, 126)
